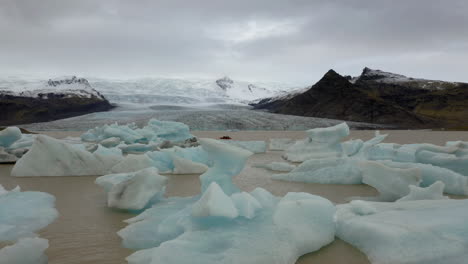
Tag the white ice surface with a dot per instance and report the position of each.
(411, 232)
(52, 157)
(133, 191)
(25, 251)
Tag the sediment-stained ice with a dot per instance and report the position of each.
(131, 163)
(52, 157)
(185, 166)
(391, 183)
(281, 143)
(25, 251)
(454, 183)
(277, 166)
(406, 232)
(320, 143)
(133, 191)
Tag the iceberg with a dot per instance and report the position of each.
(131, 163)
(252, 146)
(321, 143)
(325, 171)
(25, 251)
(276, 166)
(228, 162)
(433, 192)
(214, 203)
(185, 166)
(416, 232)
(391, 183)
(9, 135)
(52, 157)
(225, 225)
(279, 233)
(281, 143)
(23, 213)
(133, 191)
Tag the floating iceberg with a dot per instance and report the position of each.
(185, 166)
(228, 162)
(252, 146)
(52, 157)
(9, 135)
(277, 166)
(416, 232)
(325, 171)
(224, 225)
(154, 131)
(131, 163)
(25, 251)
(281, 143)
(280, 232)
(433, 192)
(321, 143)
(133, 191)
(21, 215)
(391, 183)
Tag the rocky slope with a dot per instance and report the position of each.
(379, 97)
(52, 100)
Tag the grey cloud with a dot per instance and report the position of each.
(424, 38)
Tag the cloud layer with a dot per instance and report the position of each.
(296, 40)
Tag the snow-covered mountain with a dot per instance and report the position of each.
(149, 90)
(34, 88)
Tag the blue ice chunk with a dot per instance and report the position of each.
(23, 213)
(297, 224)
(228, 162)
(325, 171)
(166, 130)
(9, 135)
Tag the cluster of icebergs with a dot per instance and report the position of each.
(411, 221)
(21, 215)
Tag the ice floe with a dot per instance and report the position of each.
(416, 232)
(21, 215)
(133, 191)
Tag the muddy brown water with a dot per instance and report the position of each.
(85, 232)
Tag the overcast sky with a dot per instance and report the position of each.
(277, 40)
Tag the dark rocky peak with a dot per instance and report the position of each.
(71, 80)
(331, 80)
(369, 74)
(225, 83)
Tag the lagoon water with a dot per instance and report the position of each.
(85, 232)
